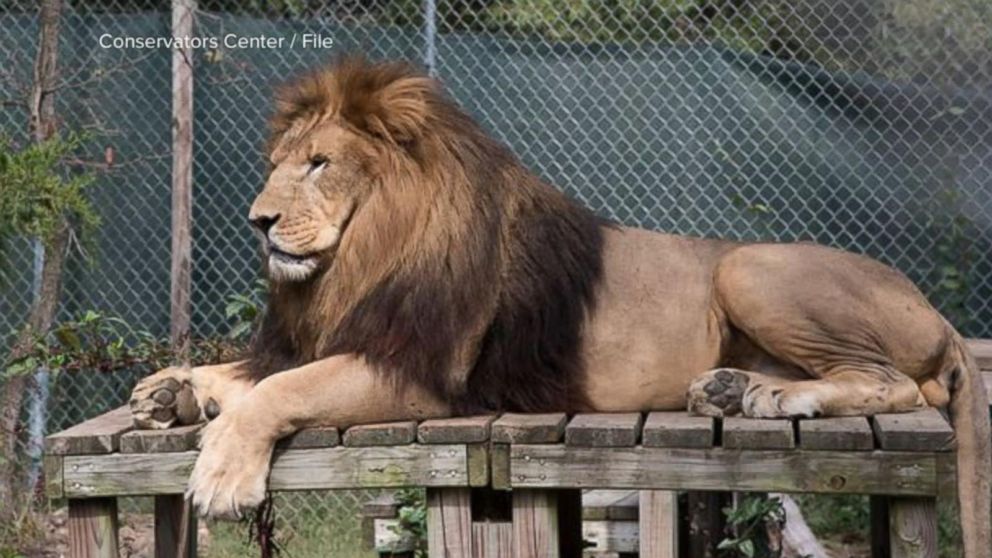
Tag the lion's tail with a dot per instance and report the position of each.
(969, 410)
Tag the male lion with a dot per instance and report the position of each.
(418, 270)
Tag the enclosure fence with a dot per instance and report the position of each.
(861, 124)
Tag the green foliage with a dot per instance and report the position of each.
(37, 192)
(246, 311)
(749, 520)
(413, 519)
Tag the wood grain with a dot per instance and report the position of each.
(93, 528)
(449, 522)
(899, 473)
(386, 434)
(913, 527)
(924, 431)
(311, 438)
(492, 539)
(678, 430)
(173, 539)
(183, 438)
(317, 469)
(659, 524)
(750, 433)
(514, 428)
(535, 524)
(603, 430)
(97, 435)
(840, 433)
(465, 430)
(615, 505)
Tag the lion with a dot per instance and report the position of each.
(418, 270)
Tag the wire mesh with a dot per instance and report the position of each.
(862, 124)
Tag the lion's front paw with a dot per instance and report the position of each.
(164, 399)
(230, 474)
(718, 393)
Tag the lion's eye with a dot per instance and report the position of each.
(317, 162)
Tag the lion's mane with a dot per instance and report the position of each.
(463, 272)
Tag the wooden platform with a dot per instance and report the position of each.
(905, 460)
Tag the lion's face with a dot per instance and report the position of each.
(315, 186)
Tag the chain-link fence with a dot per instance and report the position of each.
(863, 124)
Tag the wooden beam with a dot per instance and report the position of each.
(750, 433)
(899, 473)
(182, 180)
(604, 430)
(101, 434)
(840, 433)
(659, 524)
(492, 539)
(981, 349)
(449, 522)
(913, 527)
(93, 528)
(317, 469)
(386, 434)
(182, 438)
(678, 430)
(924, 430)
(175, 527)
(464, 430)
(535, 524)
(513, 428)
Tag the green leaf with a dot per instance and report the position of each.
(747, 548)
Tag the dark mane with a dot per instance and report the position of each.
(486, 302)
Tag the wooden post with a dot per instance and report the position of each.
(449, 522)
(547, 523)
(659, 525)
(913, 527)
(175, 527)
(93, 528)
(175, 530)
(182, 178)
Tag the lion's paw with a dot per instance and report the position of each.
(229, 478)
(163, 399)
(718, 393)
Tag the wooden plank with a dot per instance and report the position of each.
(603, 430)
(183, 438)
(316, 469)
(678, 430)
(981, 349)
(93, 528)
(913, 527)
(987, 380)
(750, 433)
(535, 524)
(311, 438)
(465, 430)
(383, 506)
(839, 433)
(899, 473)
(609, 505)
(659, 524)
(478, 464)
(175, 527)
(610, 538)
(53, 476)
(513, 428)
(499, 460)
(449, 522)
(386, 434)
(100, 434)
(924, 431)
(492, 539)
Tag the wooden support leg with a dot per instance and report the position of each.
(913, 527)
(659, 525)
(449, 522)
(547, 523)
(93, 528)
(175, 527)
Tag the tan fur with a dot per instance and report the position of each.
(377, 180)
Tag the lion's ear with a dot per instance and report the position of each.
(394, 105)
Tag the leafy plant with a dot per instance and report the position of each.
(412, 524)
(246, 310)
(38, 193)
(749, 520)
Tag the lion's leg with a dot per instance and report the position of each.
(851, 391)
(180, 395)
(229, 476)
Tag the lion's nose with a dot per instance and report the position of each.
(263, 222)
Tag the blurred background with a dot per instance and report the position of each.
(861, 124)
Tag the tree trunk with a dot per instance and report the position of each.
(42, 124)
